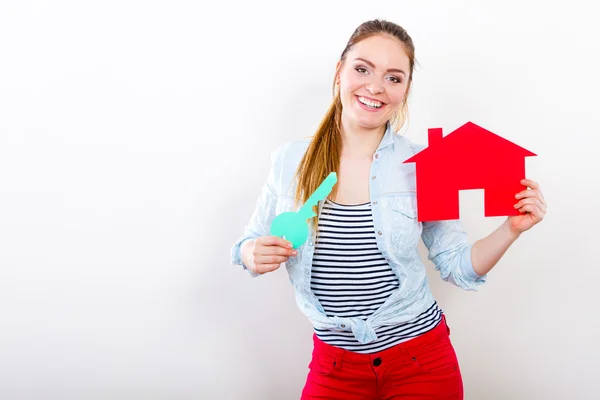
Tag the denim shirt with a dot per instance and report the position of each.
(397, 232)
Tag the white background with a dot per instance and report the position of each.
(135, 136)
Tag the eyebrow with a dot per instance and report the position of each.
(373, 66)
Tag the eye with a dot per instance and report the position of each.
(361, 70)
(395, 80)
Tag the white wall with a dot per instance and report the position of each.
(134, 137)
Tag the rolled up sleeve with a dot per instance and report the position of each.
(450, 251)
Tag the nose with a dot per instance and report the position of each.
(374, 87)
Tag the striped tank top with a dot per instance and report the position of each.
(351, 278)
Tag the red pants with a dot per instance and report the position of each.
(425, 367)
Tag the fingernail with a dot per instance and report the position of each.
(517, 196)
(290, 245)
(294, 253)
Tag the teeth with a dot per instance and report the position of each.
(370, 103)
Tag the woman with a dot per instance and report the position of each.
(378, 331)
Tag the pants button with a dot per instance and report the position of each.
(377, 362)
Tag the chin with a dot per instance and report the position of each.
(370, 123)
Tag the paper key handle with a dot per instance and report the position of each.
(293, 225)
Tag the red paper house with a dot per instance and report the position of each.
(470, 157)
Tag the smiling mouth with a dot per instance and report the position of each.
(372, 104)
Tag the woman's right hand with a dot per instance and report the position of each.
(266, 253)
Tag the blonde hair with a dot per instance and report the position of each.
(323, 154)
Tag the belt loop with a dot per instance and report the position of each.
(339, 356)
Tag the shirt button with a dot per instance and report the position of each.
(375, 202)
(310, 243)
(379, 233)
(343, 326)
(377, 362)
(376, 155)
(373, 177)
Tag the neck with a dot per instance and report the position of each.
(358, 141)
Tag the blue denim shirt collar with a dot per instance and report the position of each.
(388, 137)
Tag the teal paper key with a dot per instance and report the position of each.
(293, 225)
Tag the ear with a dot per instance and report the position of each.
(338, 67)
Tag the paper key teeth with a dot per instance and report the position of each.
(321, 193)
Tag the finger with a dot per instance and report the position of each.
(535, 212)
(531, 200)
(270, 259)
(276, 241)
(264, 268)
(530, 183)
(528, 208)
(274, 250)
(528, 193)
(533, 185)
(537, 194)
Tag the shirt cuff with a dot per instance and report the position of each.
(466, 266)
(236, 256)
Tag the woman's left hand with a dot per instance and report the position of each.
(532, 206)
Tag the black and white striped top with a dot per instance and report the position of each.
(351, 278)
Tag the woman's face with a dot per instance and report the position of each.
(373, 81)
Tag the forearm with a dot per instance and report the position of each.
(486, 252)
